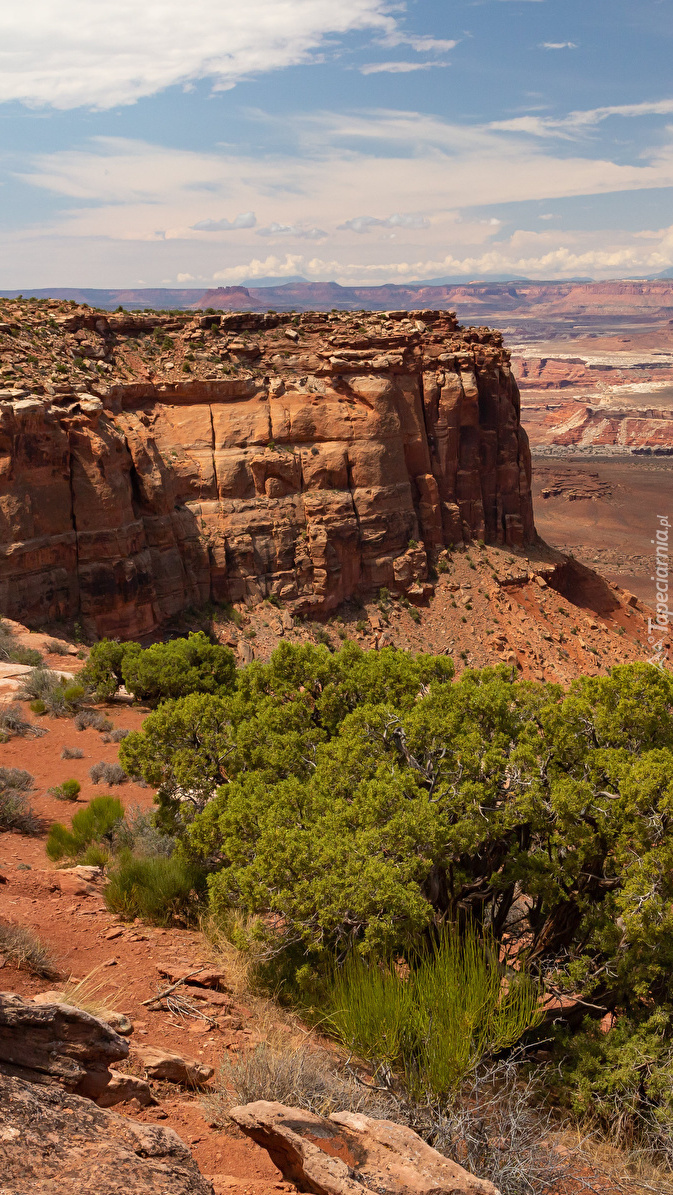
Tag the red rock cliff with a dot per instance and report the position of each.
(335, 457)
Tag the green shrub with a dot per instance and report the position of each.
(159, 890)
(48, 693)
(69, 790)
(177, 668)
(438, 1022)
(25, 655)
(91, 825)
(102, 673)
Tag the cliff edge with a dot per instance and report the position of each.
(151, 463)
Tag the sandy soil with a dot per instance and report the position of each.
(611, 528)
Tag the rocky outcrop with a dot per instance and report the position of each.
(56, 1044)
(351, 1154)
(56, 1143)
(308, 459)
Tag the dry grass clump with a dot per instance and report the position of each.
(494, 1128)
(88, 994)
(72, 753)
(12, 722)
(15, 812)
(233, 948)
(22, 947)
(109, 773)
(299, 1078)
(92, 719)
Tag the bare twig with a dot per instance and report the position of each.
(167, 991)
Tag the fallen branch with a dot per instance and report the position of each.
(167, 991)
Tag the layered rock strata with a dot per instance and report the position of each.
(330, 457)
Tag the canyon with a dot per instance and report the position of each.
(152, 463)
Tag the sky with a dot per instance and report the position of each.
(219, 142)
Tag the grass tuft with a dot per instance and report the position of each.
(22, 947)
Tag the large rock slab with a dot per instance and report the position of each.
(176, 1068)
(351, 1154)
(55, 1042)
(56, 1143)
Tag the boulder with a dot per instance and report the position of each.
(55, 1042)
(56, 1143)
(165, 1064)
(351, 1154)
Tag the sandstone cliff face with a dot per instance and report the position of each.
(336, 459)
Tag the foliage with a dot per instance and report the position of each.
(24, 949)
(15, 812)
(622, 1082)
(157, 889)
(49, 693)
(109, 773)
(271, 726)
(437, 1022)
(396, 800)
(179, 667)
(138, 833)
(92, 718)
(69, 790)
(102, 673)
(95, 824)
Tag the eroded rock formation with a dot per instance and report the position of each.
(56, 1143)
(330, 457)
(351, 1154)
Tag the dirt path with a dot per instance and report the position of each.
(83, 935)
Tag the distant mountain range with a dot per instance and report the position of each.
(480, 300)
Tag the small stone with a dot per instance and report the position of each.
(114, 933)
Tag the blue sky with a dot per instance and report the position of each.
(217, 141)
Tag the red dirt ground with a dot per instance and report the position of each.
(77, 929)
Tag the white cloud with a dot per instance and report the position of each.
(115, 51)
(397, 68)
(576, 123)
(558, 45)
(422, 43)
(244, 220)
(292, 230)
(365, 223)
(141, 204)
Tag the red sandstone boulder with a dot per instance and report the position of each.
(351, 1154)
